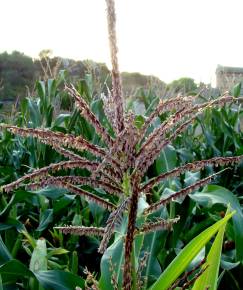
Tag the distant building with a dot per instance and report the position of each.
(227, 77)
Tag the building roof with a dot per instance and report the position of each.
(229, 69)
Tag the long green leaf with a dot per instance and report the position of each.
(212, 194)
(208, 280)
(180, 263)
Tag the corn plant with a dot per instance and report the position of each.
(119, 167)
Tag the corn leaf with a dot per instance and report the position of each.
(208, 280)
(180, 263)
(213, 194)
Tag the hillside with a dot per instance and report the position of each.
(18, 73)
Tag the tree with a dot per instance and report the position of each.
(16, 73)
(182, 85)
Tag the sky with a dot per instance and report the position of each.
(166, 38)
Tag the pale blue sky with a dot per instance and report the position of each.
(166, 38)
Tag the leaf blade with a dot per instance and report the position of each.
(179, 264)
(208, 280)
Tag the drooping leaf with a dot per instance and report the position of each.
(59, 280)
(13, 270)
(167, 160)
(60, 119)
(46, 219)
(52, 192)
(62, 203)
(12, 223)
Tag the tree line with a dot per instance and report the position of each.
(18, 73)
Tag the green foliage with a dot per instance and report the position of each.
(35, 276)
(31, 215)
(211, 270)
(237, 90)
(128, 177)
(183, 85)
(44, 208)
(179, 264)
(214, 194)
(134, 82)
(16, 73)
